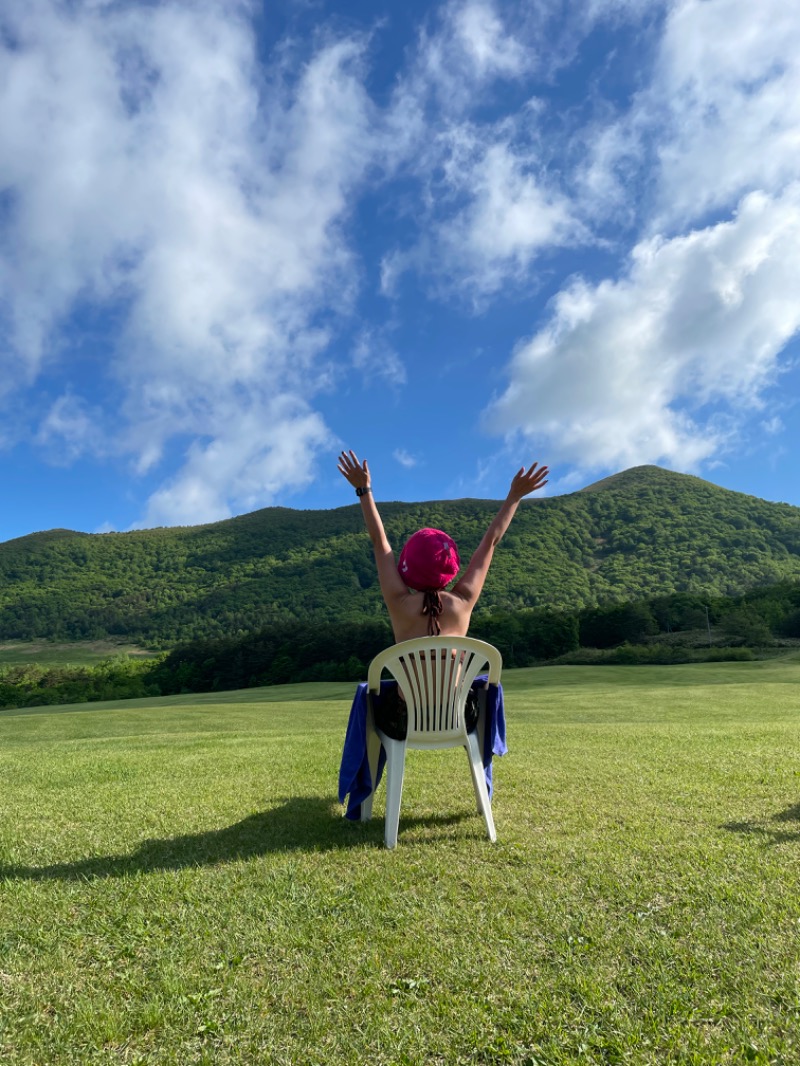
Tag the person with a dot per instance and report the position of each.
(414, 587)
(415, 594)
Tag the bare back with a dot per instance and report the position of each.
(409, 622)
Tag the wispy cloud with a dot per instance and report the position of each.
(510, 213)
(404, 458)
(374, 357)
(69, 430)
(487, 204)
(467, 48)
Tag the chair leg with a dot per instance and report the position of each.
(479, 784)
(395, 770)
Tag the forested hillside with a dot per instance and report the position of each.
(640, 534)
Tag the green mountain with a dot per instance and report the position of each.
(641, 533)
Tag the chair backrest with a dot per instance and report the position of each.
(435, 675)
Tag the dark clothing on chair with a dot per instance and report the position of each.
(391, 713)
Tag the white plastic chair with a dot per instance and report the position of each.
(435, 675)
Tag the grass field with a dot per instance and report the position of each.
(177, 885)
(84, 653)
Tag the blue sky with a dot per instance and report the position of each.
(236, 237)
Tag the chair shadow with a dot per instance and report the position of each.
(301, 823)
(771, 835)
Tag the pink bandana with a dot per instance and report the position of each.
(429, 560)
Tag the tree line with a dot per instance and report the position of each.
(679, 628)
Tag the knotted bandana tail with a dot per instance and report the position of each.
(432, 607)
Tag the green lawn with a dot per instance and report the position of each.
(177, 884)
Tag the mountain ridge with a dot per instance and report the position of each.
(643, 532)
(632, 476)
(636, 474)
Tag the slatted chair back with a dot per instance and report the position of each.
(435, 675)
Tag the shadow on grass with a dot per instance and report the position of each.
(299, 824)
(771, 835)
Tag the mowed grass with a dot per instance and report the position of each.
(177, 884)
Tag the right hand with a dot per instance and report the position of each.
(355, 472)
(527, 481)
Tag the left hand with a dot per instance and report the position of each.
(355, 472)
(527, 481)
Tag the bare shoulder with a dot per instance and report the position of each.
(456, 614)
(404, 612)
(453, 601)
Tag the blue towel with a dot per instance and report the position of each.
(354, 776)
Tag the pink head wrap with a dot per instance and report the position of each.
(429, 560)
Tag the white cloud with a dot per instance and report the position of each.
(462, 52)
(512, 214)
(469, 48)
(596, 10)
(374, 358)
(153, 171)
(405, 458)
(773, 426)
(392, 267)
(479, 31)
(667, 362)
(69, 430)
(608, 171)
(489, 207)
(632, 371)
(720, 117)
(729, 77)
(263, 448)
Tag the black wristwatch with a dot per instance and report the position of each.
(363, 490)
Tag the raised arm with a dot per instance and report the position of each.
(524, 482)
(358, 475)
